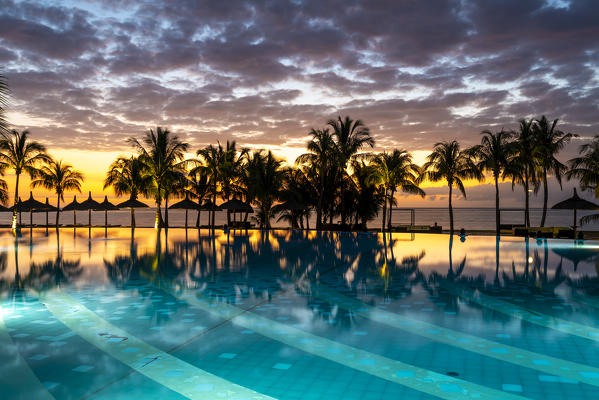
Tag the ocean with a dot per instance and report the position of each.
(467, 218)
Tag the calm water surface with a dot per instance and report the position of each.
(296, 315)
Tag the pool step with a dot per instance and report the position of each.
(157, 365)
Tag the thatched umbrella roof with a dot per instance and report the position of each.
(73, 206)
(29, 205)
(132, 203)
(89, 204)
(209, 205)
(184, 204)
(106, 205)
(575, 203)
(237, 206)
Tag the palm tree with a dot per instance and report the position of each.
(492, 155)
(3, 102)
(550, 142)
(395, 171)
(126, 176)
(321, 155)
(586, 169)
(447, 162)
(162, 155)
(368, 197)
(523, 167)
(60, 177)
(350, 137)
(266, 177)
(212, 159)
(22, 155)
(198, 186)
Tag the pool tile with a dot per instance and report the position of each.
(282, 366)
(83, 368)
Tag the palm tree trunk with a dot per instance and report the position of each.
(158, 221)
(57, 210)
(14, 211)
(497, 212)
(133, 218)
(450, 210)
(384, 219)
(545, 196)
(198, 218)
(213, 207)
(166, 211)
(526, 200)
(391, 208)
(319, 208)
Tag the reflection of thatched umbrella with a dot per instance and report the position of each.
(575, 203)
(132, 203)
(89, 205)
(576, 253)
(106, 206)
(73, 206)
(186, 205)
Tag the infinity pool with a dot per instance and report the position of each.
(296, 315)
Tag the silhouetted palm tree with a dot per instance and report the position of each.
(162, 155)
(126, 176)
(395, 171)
(212, 159)
(447, 162)
(523, 167)
(586, 169)
(549, 142)
(60, 177)
(492, 155)
(198, 187)
(350, 137)
(321, 155)
(368, 199)
(266, 181)
(22, 155)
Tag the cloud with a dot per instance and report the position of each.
(266, 72)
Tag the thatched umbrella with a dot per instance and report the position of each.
(236, 206)
(89, 205)
(575, 203)
(73, 206)
(210, 206)
(132, 204)
(186, 205)
(106, 206)
(576, 253)
(30, 205)
(47, 208)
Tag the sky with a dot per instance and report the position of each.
(86, 75)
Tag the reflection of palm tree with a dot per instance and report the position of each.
(60, 177)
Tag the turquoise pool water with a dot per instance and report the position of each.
(295, 315)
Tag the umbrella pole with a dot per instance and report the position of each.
(574, 224)
(89, 217)
(105, 223)
(74, 218)
(186, 218)
(31, 218)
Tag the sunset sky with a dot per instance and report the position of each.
(85, 75)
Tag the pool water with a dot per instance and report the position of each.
(296, 315)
